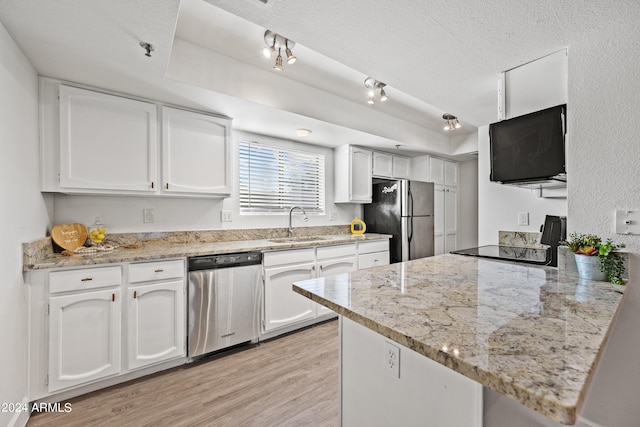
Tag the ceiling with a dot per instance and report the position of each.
(434, 56)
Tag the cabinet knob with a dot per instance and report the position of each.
(113, 297)
(166, 186)
(321, 267)
(158, 270)
(313, 268)
(86, 279)
(153, 184)
(135, 294)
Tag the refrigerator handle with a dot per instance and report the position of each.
(410, 203)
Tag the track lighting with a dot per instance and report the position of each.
(275, 42)
(451, 122)
(373, 85)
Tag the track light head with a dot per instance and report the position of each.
(383, 95)
(278, 65)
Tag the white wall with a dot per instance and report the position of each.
(498, 204)
(124, 213)
(23, 216)
(602, 164)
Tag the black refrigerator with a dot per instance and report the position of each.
(404, 209)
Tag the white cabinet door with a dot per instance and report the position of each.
(195, 153)
(436, 170)
(352, 174)
(84, 337)
(401, 167)
(450, 218)
(155, 323)
(382, 165)
(107, 143)
(282, 306)
(450, 173)
(438, 218)
(361, 175)
(330, 267)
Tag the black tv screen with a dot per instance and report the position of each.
(529, 147)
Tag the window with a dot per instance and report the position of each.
(272, 180)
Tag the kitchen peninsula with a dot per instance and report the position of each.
(530, 333)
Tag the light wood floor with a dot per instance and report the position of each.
(288, 381)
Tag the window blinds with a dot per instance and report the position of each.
(272, 180)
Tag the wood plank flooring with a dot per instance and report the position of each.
(288, 381)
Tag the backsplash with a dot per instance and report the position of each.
(520, 238)
(37, 249)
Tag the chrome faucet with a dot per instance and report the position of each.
(305, 218)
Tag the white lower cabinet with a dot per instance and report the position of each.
(155, 323)
(332, 260)
(373, 254)
(84, 337)
(85, 323)
(286, 310)
(282, 306)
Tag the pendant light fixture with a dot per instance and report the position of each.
(275, 42)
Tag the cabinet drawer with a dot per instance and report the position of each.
(374, 259)
(157, 270)
(288, 256)
(373, 246)
(87, 278)
(336, 251)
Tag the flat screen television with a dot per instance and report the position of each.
(529, 148)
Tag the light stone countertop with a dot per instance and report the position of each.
(528, 332)
(163, 249)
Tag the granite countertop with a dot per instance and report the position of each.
(528, 332)
(167, 248)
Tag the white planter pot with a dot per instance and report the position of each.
(589, 267)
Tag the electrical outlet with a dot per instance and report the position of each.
(148, 216)
(523, 218)
(392, 359)
(333, 216)
(226, 216)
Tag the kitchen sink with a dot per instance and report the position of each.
(298, 239)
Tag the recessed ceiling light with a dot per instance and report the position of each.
(303, 132)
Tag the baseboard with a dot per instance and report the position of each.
(20, 418)
(583, 422)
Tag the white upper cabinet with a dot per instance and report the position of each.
(390, 166)
(106, 142)
(382, 165)
(401, 167)
(450, 173)
(195, 153)
(436, 169)
(352, 174)
(97, 143)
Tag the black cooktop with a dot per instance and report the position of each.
(538, 256)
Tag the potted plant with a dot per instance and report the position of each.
(596, 260)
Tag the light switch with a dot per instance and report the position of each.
(627, 221)
(226, 215)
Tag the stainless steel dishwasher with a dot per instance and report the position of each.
(224, 301)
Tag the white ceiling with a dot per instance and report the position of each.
(434, 56)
